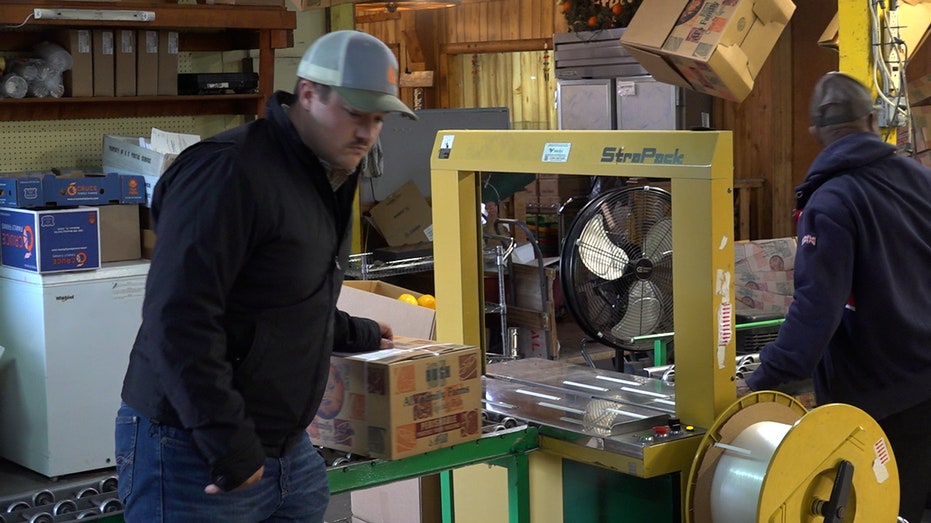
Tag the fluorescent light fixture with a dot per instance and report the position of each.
(106, 15)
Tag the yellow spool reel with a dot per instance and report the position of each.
(803, 467)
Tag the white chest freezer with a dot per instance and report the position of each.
(67, 338)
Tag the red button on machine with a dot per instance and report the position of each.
(661, 430)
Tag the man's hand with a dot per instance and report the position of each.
(387, 337)
(253, 479)
(742, 388)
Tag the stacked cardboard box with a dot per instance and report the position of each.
(391, 404)
(764, 276)
(919, 94)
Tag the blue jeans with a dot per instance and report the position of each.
(162, 478)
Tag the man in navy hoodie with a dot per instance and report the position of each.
(860, 321)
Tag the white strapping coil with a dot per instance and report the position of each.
(738, 476)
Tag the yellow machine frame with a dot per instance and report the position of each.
(700, 169)
(699, 166)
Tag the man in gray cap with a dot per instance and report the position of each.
(859, 321)
(239, 318)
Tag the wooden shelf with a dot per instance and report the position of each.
(128, 107)
(167, 16)
(200, 27)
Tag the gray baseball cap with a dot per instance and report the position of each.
(839, 98)
(358, 66)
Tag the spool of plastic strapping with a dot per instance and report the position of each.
(768, 458)
(739, 475)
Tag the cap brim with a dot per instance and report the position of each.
(373, 101)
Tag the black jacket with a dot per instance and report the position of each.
(239, 317)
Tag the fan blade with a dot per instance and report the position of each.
(658, 240)
(644, 311)
(599, 254)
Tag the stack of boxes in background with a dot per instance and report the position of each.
(764, 276)
(121, 62)
(69, 219)
(919, 95)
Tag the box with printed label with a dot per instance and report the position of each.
(712, 46)
(419, 396)
(50, 240)
(82, 187)
(123, 154)
(22, 189)
(69, 187)
(340, 422)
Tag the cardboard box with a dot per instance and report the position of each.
(415, 500)
(148, 243)
(919, 90)
(69, 187)
(125, 63)
(419, 396)
(79, 80)
(80, 187)
(120, 238)
(340, 422)
(50, 240)
(763, 276)
(712, 46)
(123, 154)
(404, 217)
(104, 62)
(921, 116)
(378, 300)
(168, 50)
(22, 189)
(146, 62)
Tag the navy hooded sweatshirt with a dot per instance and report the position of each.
(860, 321)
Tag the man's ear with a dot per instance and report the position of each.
(304, 92)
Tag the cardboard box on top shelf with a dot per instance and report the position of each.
(715, 47)
(104, 62)
(168, 49)
(79, 80)
(420, 396)
(146, 62)
(125, 62)
(50, 240)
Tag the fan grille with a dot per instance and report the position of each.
(616, 266)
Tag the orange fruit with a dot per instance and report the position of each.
(617, 8)
(566, 6)
(593, 21)
(427, 300)
(408, 298)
